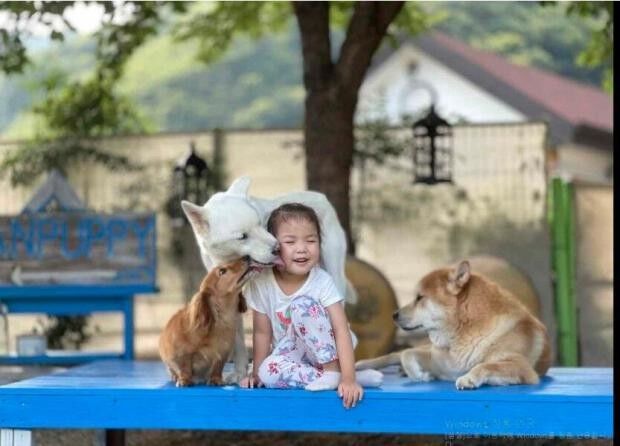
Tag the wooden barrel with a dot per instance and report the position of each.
(371, 317)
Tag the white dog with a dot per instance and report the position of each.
(232, 224)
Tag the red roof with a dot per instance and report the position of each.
(575, 102)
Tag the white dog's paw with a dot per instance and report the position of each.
(466, 382)
(233, 378)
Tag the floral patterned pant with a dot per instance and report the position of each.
(309, 342)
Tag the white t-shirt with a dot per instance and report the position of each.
(264, 295)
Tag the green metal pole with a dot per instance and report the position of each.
(563, 266)
(569, 199)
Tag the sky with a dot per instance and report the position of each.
(85, 18)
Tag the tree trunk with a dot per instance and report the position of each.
(328, 135)
(331, 93)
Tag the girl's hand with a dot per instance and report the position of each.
(350, 392)
(250, 382)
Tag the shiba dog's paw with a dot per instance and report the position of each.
(466, 382)
(420, 376)
(412, 368)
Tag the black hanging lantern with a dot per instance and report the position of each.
(432, 149)
(191, 181)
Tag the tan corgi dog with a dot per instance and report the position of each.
(198, 338)
(479, 333)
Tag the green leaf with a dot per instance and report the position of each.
(56, 35)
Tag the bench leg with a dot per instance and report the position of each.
(129, 328)
(115, 437)
(15, 437)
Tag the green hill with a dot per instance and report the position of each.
(258, 84)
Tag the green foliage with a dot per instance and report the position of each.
(64, 332)
(600, 49)
(117, 42)
(414, 18)
(257, 83)
(525, 32)
(13, 56)
(32, 159)
(377, 142)
(12, 53)
(74, 113)
(87, 109)
(216, 28)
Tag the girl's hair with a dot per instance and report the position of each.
(292, 210)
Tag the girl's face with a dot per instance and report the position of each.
(299, 245)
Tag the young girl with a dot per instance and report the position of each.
(298, 310)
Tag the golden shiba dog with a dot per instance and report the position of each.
(479, 333)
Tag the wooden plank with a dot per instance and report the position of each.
(139, 395)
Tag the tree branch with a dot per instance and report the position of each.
(313, 20)
(368, 26)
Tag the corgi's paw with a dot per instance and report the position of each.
(183, 382)
(216, 381)
(467, 382)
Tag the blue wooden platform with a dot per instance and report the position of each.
(116, 394)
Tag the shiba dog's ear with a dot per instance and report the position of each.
(239, 187)
(196, 216)
(458, 277)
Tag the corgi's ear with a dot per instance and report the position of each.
(242, 306)
(199, 310)
(197, 217)
(458, 277)
(239, 187)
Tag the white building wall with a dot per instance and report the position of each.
(458, 99)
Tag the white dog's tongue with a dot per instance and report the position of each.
(278, 262)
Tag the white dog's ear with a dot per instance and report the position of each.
(240, 187)
(196, 216)
(459, 277)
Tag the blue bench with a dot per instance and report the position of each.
(60, 258)
(117, 394)
(72, 300)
